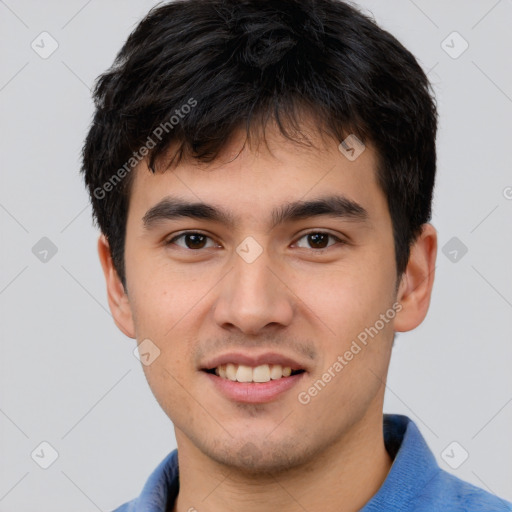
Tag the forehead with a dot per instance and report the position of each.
(257, 180)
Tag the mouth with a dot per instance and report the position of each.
(258, 374)
(249, 379)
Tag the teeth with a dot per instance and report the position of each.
(261, 373)
(243, 373)
(230, 371)
(276, 371)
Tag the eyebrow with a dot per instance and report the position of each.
(338, 206)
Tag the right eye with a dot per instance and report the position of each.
(191, 240)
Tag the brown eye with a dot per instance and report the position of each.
(318, 240)
(195, 241)
(192, 241)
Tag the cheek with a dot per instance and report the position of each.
(161, 297)
(347, 298)
(168, 384)
(164, 317)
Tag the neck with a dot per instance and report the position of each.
(348, 472)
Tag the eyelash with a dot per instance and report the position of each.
(185, 233)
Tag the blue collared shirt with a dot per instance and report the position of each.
(415, 482)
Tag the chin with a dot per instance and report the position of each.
(259, 458)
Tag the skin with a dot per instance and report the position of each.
(294, 299)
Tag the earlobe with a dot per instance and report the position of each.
(417, 281)
(117, 298)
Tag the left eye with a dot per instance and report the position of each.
(192, 241)
(318, 240)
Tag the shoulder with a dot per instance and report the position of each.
(447, 492)
(127, 507)
(416, 483)
(160, 489)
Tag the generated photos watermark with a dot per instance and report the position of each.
(144, 150)
(306, 396)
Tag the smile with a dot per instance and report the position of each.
(261, 373)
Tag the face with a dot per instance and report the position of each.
(283, 272)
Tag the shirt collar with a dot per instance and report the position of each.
(413, 466)
(161, 488)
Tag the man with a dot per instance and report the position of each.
(262, 174)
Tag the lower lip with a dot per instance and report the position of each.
(254, 392)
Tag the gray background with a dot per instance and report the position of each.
(69, 377)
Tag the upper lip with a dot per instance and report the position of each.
(252, 360)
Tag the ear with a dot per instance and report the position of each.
(416, 283)
(117, 297)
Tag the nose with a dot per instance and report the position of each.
(253, 297)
